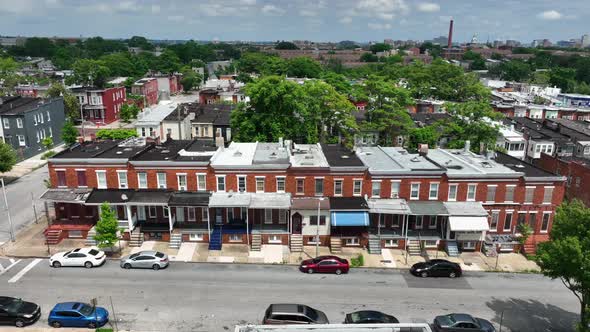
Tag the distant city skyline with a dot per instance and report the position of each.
(317, 20)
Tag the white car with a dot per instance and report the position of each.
(87, 257)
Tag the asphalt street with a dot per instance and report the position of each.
(215, 297)
(20, 202)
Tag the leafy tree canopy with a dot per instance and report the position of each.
(380, 47)
(69, 133)
(106, 227)
(7, 157)
(90, 73)
(285, 45)
(116, 133)
(470, 121)
(303, 67)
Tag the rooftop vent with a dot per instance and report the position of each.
(519, 166)
(237, 154)
(119, 152)
(165, 151)
(127, 149)
(345, 157)
(486, 164)
(308, 157)
(415, 159)
(455, 167)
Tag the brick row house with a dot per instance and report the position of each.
(148, 89)
(101, 106)
(301, 194)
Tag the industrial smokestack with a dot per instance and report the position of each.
(450, 42)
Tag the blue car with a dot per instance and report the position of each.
(77, 314)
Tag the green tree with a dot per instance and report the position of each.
(47, 142)
(116, 134)
(90, 73)
(124, 64)
(369, 57)
(478, 64)
(128, 112)
(304, 67)
(190, 79)
(69, 133)
(380, 47)
(470, 55)
(168, 62)
(8, 67)
(515, 70)
(39, 47)
(566, 255)
(563, 78)
(338, 81)
(7, 157)
(141, 42)
(426, 135)
(285, 45)
(469, 121)
(106, 227)
(71, 105)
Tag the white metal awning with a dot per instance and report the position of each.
(468, 224)
(229, 200)
(388, 206)
(270, 201)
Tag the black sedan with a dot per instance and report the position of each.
(369, 317)
(17, 312)
(462, 323)
(436, 268)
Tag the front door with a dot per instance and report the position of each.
(296, 222)
(180, 214)
(218, 216)
(141, 213)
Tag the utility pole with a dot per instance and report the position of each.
(7, 211)
(34, 208)
(82, 120)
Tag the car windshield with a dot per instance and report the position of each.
(67, 253)
(14, 306)
(93, 252)
(86, 309)
(311, 313)
(159, 254)
(451, 318)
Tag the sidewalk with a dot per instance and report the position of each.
(31, 243)
(28, 165)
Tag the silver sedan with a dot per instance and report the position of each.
(145, 260)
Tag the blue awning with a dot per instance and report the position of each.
(356, 218)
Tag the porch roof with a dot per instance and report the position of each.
(468, 224)
(427, 208)
(67, 195)
(465, 209)
(189, 199)
(218, 199)
(309, 203)
(270, 201)
(348, 203)
(112, 196)
(388, 206)
(150, 197)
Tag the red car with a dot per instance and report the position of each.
(325, 264)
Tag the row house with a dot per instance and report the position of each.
(515, 109)
(148, 89)
(304, 194)
(576, 170)
(101, 106)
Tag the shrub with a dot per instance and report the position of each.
(48, 154)
(116, 133)
(357, 261)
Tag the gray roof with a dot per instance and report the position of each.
(462, 164)
(78, 195)
(465, 209)
(219, 199)
(394, 160)
(388, 206)
(307, 155)
(270, 201)
(156, 115)
(427, 208)
(270, 153)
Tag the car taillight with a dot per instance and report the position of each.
(164, 260)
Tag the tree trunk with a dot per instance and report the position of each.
(585, 313)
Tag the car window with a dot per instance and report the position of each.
(144, 258)
(311, 314)
(70, 314)
(282, 317)
(134, 255)
(76, 250)
(86, 310)
(159, 254)
(76, 255)
(67, 253)
(14, 306)
(93, 252)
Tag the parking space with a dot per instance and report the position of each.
(440, 283)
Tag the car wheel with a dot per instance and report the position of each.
(127, 266)
(424, 274)
(338, 272)
(92, 325)
(56, 264)
(310, 271)
(88, 265)
(19, 323)
(57, 325)
(452, 275)
(156, 267)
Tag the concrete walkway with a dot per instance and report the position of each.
(28, 165)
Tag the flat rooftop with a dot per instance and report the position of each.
(518, 165)
(19, 105)
(460, 163)
(156, 115)
(339, 156)
(108, 149)
(386, 160)
(236, 154)
(270, 153)
(307, 155)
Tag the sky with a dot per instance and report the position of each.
(316, 20)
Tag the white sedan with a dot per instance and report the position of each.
(87, 257)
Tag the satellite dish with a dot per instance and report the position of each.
(124, 197)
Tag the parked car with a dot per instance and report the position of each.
(436, 268)
(14, 311)
(145, 260)
(87, 257)
(369, 317)
(325, 264)
(77, 314)
(462, 323)
(280, 314)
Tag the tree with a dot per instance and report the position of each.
(116, 134)
(515, 70)
(426, 135)
(128, 112)
(106, 227)
(190, 79)
(380, 47)
(71, 105)
(565, 256)
(338, 81)
(8, 77)
(369, 57)
(7, 157)
(285, 45)
(7, 67)
(141, 42)
(304, 67)
(469, 121)
(563, 78)
(90, 73)
(478, 64)
(47, 142)
(124, 64)
(168, 62)
(69, 133)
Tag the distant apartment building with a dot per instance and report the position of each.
(101, 106)
(148, 89)
(168, 85)
(31, 90)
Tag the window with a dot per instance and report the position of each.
(533, 221)
(521, 219)
(300, 186)
(50, 132)
(201, 181)
(545, 222)
(161, 180)
(192, 214)
(351, 241)
(491, 194)
(142, 180)
(337, 187)
(220, 183)
(419, 221)
(432, 222)
(494, 221)
(21, 140)
(41, 118)
(376, 188)
(152, 211)
(195, 237)
(509, 193)
(241, 184)
(282, 217)
(235, 238)
(395, 189)
(433, 192)
(7, 123)
(280, 184)
(391, 243)
(48, 116)
(230, 214)
(166, 211)
(529, 194)
(244, 213)
(313, 220)
(548, 195)
(101, 179)
(357, 186)
(122, 175)
(452, 192)
(415, 191)
(508, 221)
(267, 216)
(430, 243)
(381, 220)
(19, 122)
(181, 178)
(260, 184)
(319, 186)
(81, 175)
(471, 192)
(205, 214)
(61, 178)
(274, 239)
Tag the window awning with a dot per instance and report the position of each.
(468, 224)
(427, 208)
(388, 206)
(186, 198)
(270, 201)
(349, 218)
(229, 200)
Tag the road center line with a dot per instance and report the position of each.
(9, 267)
(25, 270)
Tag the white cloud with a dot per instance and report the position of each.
(272, 10)
(155, 9)
(550, 15)
(128, 7)
(17, 7)
(176, 18)
(248, 2)
(379, 26)
(308, 12)
(345, 20)
(383, 9)
(428, 7)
